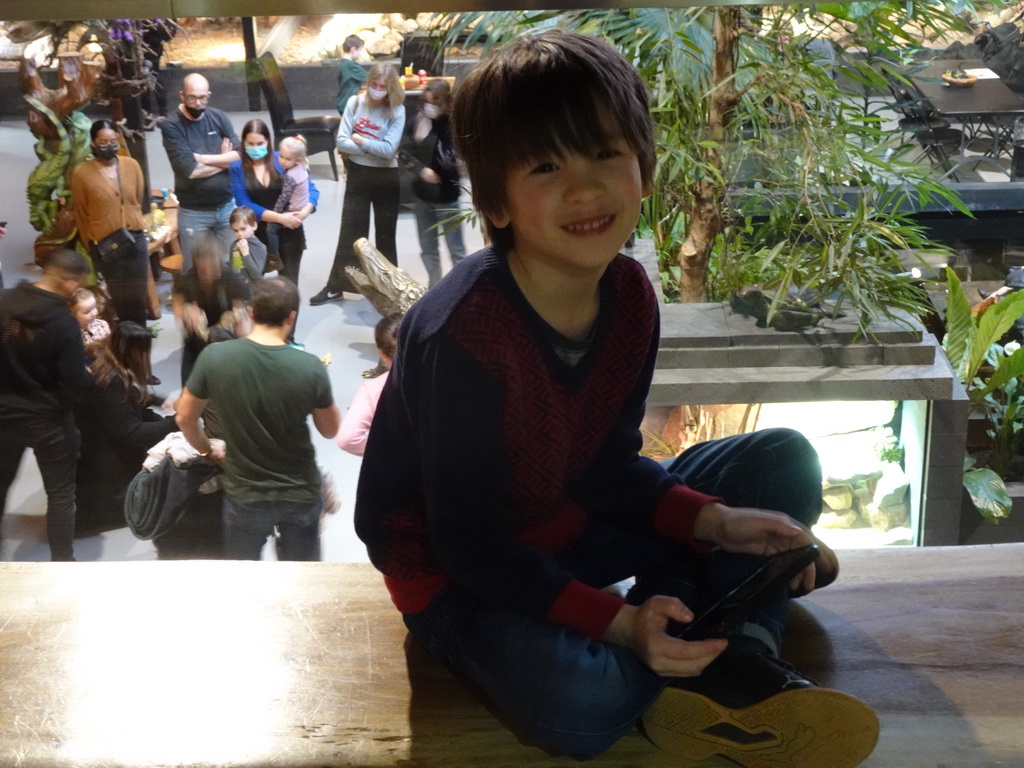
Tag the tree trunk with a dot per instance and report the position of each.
(705, 217)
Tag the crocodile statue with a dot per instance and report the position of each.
(388, 288)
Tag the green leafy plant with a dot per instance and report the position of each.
(1005, 412)
(972, 345)
(768, 171)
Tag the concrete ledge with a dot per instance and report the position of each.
(779, 384)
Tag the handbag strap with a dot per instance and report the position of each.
(120, 189)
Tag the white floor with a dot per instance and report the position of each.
(345, 329)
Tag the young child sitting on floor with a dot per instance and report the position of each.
(294, 186)
(502, 490)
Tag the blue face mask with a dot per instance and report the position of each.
(256, 153)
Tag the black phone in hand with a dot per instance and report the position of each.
(734, 607)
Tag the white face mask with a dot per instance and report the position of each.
(430, 111)
(376, 95)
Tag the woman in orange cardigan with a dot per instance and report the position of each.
(107, 194)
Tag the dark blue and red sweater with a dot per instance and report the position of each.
(488, 454)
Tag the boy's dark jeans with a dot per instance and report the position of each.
(577, 696)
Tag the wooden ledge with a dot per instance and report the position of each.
(289, 664)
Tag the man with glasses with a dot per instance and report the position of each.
(200, 143)
(42, 369)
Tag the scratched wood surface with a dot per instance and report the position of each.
(294, 665)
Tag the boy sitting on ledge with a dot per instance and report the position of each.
(502, 489)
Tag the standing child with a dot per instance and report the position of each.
(355, 426)
(248, 255)
(502, 490)
(351, 76)
(294, 196)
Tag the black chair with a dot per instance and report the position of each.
(909, 104)
(320, 133)
(940, 143)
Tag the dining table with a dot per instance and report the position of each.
(988, 107)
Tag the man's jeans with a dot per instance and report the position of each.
(55, 442)
(247, 526)
(577, 696)
(191, 222)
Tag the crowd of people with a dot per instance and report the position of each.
(502, 493)
(241, 208)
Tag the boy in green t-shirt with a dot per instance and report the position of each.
(351, 75)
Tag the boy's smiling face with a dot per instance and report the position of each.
(575, 211)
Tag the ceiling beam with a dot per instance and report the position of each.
(41, 10)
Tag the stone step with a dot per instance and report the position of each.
(790, 384)
(791, 355)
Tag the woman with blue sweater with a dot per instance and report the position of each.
(256, 184)
(370, 132)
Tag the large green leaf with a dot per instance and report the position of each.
(988, 492)
(960, 329)
(992, 325)
(1007, 369)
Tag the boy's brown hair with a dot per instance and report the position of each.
(543, 96)
(242, 213)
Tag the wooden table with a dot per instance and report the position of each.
(165, 246)
(306, 664)
(988, 106)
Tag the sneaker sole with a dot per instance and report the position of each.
(806, 728)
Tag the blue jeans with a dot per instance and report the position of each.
(248, 525)
(576, 696)
(427, 217)
(191, 222)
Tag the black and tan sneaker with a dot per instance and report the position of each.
(756, 711)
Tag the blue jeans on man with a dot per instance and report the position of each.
(573, 695)
(192, 221)
(247, 525)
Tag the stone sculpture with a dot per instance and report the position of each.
(388, 288)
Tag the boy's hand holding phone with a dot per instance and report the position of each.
(642, 629)
(755, 532)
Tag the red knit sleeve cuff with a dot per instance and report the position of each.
(584, 608)
(677, 512)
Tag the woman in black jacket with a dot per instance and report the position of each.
(117, 426)
(428, 141)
